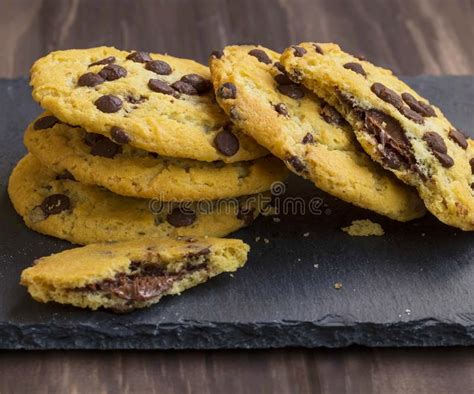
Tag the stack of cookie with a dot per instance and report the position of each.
(126, 128)
(354, 129)
(134, 144)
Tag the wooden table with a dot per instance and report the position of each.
(409, 36)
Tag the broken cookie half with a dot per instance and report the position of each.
(123, 276)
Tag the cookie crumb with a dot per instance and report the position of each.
(306, 235)
(363, 228)
(266, 240)
(316, 265)
(257, 239)
(276, 220)
(338, 286)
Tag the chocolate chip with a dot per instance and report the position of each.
(356, 67)
(308, 139)
(108, 103)
(90, 80)
(279, 67)
(113, 72)
(387, 95)
(217, 54)
(119, 135)
(46, 122)
(331, 115)
(91, 138)
(391, 97)
(226, 143)
(445, 160)
(55, 203)
(105, 148)
(471, 162)
(435, 142)
(184, 88)
(246, 215)
(181, 217)
(281, 108)
(159, 67)
(293, 91)
(107, 60)
(260, 55)
(420, 107)
(227, 91)
(458, 138)
(298, 51)
(360, 57)
(393, 143)
(318, 49)
(201, 84)
(139, 57)
(160, 86)
(66, 175)
(283, 79)
(438, 147)
(296, 163)
(412, 115)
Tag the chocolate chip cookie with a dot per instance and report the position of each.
(158, 103)
(94, 159)
(54, 204)
(397, 127)
(123, 276)
(307, 133)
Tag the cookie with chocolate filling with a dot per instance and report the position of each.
(397, 127)
(124, 276)
(57, 205)
(308, 134)
(160, 103)
(97, 160)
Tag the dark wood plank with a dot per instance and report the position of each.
(409, 36)
(353, 370)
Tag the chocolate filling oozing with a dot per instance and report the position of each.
(393, 143)
(147, 281)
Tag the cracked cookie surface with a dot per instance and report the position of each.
(159, 103)
(94, 159)
(123, 276)
(308, 134)
(58, 206)
(397, 127)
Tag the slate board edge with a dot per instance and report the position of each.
(212, 335)
(209, 335)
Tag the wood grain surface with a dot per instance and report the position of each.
(409, 36)
(352, 370)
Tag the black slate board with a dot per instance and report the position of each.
(412, 287)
